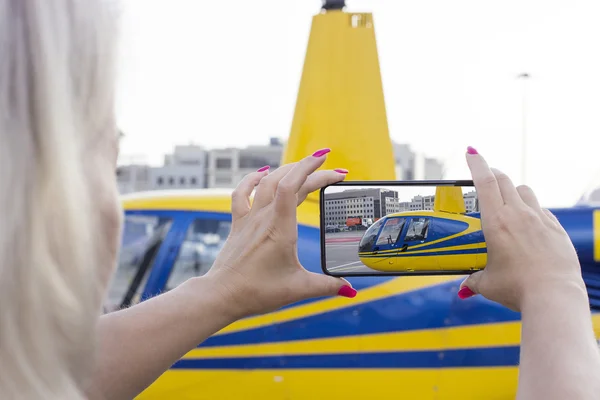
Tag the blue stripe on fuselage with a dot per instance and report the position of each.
(419, 309)
(433, 253)
(479, 357)
(470, 238)
(579, 224)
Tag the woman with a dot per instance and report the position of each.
(61, 226)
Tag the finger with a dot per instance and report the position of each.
(265, 192)
(507, 188)
(488, 192)
(240, 198)
(320, 179)
(470, 286)
(288, 188)
(528, 197)
(552, 219)
(550, 215)
(319, 285)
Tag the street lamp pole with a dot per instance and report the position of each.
(524, 77)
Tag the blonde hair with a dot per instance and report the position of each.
(56, 103)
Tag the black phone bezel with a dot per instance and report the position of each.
(468, 183)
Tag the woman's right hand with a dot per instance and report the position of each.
(529, 252)
(258, 269)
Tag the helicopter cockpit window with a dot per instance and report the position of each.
(141, 238)
(417, 230)
(204, 240)
(390, 232)
(368, 240)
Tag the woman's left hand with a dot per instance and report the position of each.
(258, 270)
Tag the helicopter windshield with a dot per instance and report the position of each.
(141, 237)
(368, 240)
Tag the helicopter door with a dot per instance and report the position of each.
(387, 241)
(204, 238)
(415, 235)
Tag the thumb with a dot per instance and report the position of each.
(319, 285)
(470, 286)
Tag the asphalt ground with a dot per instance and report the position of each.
(341, 253)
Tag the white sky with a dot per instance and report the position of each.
(226, 73)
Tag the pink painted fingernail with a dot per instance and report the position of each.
(465, 293)
(320, 153)
(471, 150)
(266, 167)
(341, 170)
(347, 291)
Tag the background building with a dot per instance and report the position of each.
(471, 202)
(419, 203)
(364, 203)
(405, 162)
(392, 205)
(132, 178)
(411, 165)
(133, 175)
(227, 167)
(185, 168)
(192, 166)
(433, 169)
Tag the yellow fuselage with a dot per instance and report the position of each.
(454, 242)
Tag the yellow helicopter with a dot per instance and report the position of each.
(400, 337)
(443, 239)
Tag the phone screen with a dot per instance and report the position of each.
(401, 228)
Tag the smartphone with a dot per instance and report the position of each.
(399, 228)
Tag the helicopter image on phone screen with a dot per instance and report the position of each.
(443, 239)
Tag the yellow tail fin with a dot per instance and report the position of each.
(449, 199)
(340, 102)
